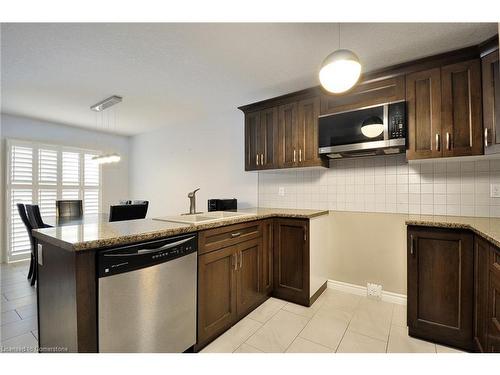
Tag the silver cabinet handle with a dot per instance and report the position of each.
(485, 137)
(448, 146)
(261, 159)
(411, 244)
(294, 156)
(235, 261)
(438, 143)
(257, 157)
(241, 260)
(300, 155)
(237, 234)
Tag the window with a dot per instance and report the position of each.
(41, 174)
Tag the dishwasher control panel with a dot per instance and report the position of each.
(128, 258)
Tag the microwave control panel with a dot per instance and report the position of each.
(397, 120)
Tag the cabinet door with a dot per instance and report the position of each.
(267, 258)
(291, 260)
(252, 130)
(287, 138)
(308, 113)
(248, 283)
(268, 137)
(461, 120)
(494, 302)
(423, 95)
(216, 293)
(481, 268)
(491, 102)
(440, 286)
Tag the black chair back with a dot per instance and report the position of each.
(21, 208)
(35, 218)
(128, 212)
(69, 208)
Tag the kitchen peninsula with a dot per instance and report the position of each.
(243, 258)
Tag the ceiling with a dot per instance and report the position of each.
(188, 74)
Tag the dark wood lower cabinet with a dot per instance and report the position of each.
(481, 257)
(216, 293)
(440, 286)
(248, 271)
(493, 322)
(267, 257)
(453, 288)
(291, 260)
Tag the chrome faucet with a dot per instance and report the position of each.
(192, 201)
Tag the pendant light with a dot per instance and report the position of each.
(340, 70)
(100, 107)
(372, 127)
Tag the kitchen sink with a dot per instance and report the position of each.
(202, 218)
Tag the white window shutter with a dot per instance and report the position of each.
(70, 168)
(19, 239)
(21, 159)
(47, 167)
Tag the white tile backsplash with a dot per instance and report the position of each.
(387, 184)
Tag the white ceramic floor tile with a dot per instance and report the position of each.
(278, 333)
(245, 348)
(27, 311)
(301, 345)
(266, 311)
(234, 337)
(340, 300)
(373, 319)
(9, 317)
(399, 315)
(35, 333)
(326, 327)
(400, 342)
(25, 343)
(307, 312)
(18, 302)
(356, 343)
(446, 349)
(19, 293)
(21, 327)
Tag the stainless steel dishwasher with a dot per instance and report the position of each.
(147, 296)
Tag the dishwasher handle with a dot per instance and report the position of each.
(149, 251)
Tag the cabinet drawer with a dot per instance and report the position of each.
(213, 239)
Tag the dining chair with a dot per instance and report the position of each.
(21, 209)
(69, 208)
(35, 218)
(123, 212)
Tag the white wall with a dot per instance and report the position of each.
(115, 177)
(166, 164)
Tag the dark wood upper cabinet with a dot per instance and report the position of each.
(261, 132)
(423, 101)
(461, 119)
(252, 141)
(288, 135)
(216, 293)
(491, 102)
(291, 260)
(440, 286)
(308, 113)
(365, 94)
(481, 271)
(268, 137)
(248, 276)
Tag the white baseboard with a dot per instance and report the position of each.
(359, 290)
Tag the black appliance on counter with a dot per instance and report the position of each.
(222, 204)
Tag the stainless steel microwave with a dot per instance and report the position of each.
(368, 131)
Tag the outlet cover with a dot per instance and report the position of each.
(495, 190)
(281, 191)
(374, 290)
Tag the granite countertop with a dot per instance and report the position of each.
(488, 228)
(99, 233)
